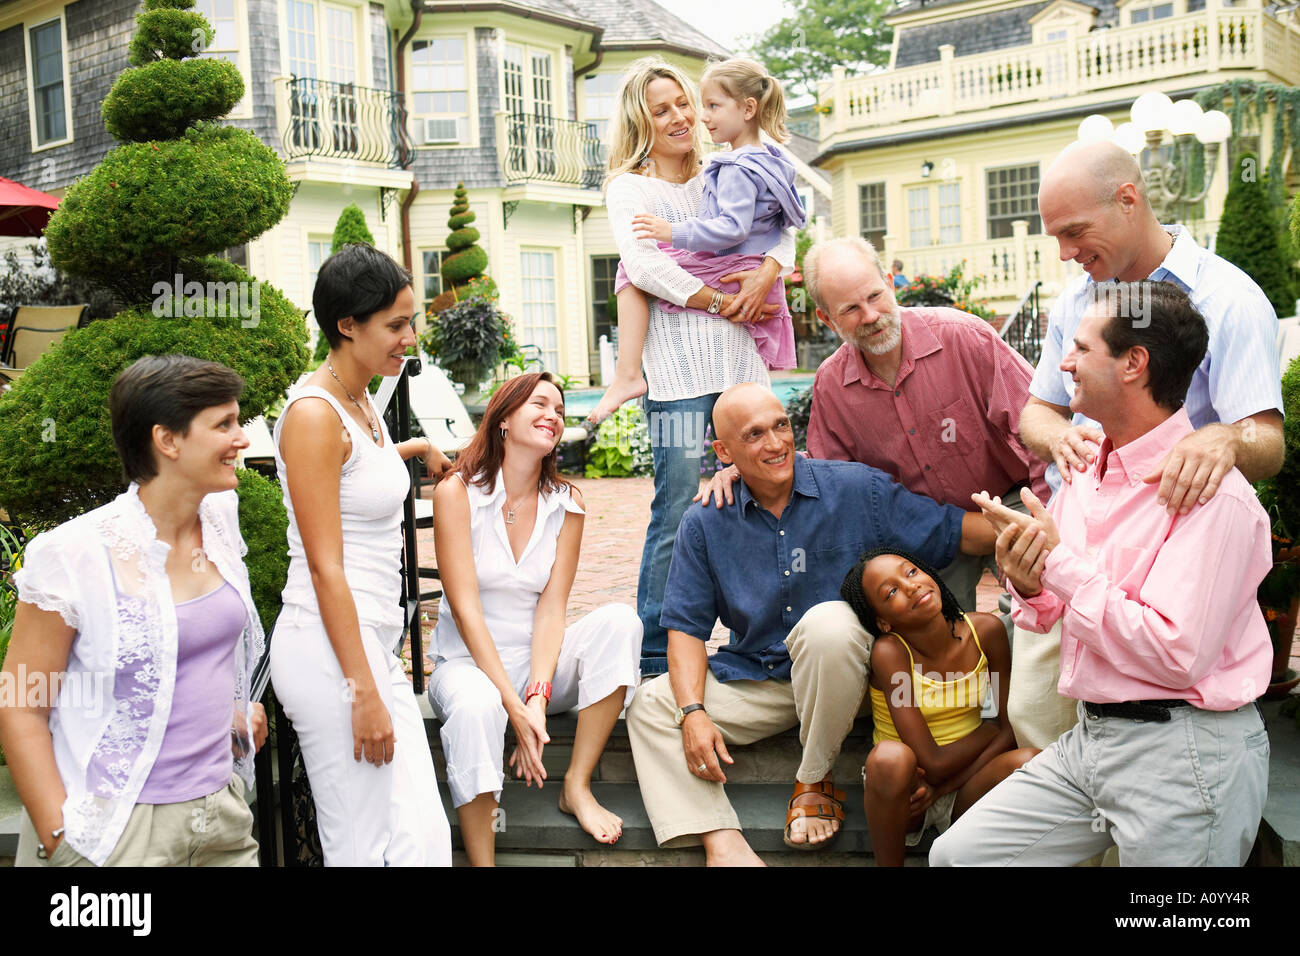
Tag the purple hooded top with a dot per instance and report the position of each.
(748, 199)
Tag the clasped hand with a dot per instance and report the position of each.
(529, 722)
(1023, 542)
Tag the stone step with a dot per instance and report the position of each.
(533, 831)
(774, 760)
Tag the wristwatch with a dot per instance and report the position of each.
(688, 709)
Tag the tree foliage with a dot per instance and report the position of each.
(351, 228)
(1250, 237)
(465, 260)
(801, 49)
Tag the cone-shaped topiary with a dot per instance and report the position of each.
(1248, 238)
(148, 220)
(350, 228)
(465, 260)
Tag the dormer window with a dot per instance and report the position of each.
(1144, 11)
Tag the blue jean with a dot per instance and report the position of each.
(677, 441)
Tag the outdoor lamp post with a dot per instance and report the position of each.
(1152, 115)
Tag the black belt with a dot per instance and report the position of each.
(1148, 710)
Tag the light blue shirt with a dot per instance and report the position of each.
(1239, 375)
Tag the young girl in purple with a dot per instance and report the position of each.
(748, 199)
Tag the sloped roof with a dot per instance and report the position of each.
(979, 32)
(636, 24)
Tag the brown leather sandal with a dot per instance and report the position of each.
(834, 810)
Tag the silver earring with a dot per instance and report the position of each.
(503, 434)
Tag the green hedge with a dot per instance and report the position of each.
(263, 522)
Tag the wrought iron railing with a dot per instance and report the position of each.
(548, 149)
(345, 121)
(1023, 328)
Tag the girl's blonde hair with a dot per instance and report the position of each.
(740, 78)
(632, 132)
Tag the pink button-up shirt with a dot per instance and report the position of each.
(948, 426)
(1153, 606)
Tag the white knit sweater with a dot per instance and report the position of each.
(686, 353)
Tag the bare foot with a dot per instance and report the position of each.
(578, 801)
(813, 830)
(728, 848)
(620, 390)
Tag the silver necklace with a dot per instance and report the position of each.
(374, 426)
(510, 511)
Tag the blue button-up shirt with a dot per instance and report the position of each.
(759, 574)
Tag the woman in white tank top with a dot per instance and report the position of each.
(507, 530)
(332, 654)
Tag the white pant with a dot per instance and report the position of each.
(601, 652)
(367, 815)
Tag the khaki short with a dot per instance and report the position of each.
(215, 830)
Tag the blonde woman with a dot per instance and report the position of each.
(690, 356)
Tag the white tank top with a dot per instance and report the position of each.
(373, 484)
(508, 590)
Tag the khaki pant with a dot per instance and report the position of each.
(1038, 714)
(831, 655)
(216, 830)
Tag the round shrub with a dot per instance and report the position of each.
(58, 412)
(161, 100)
(351, 227)
(165, 33)
(264, 523)
(148, 205)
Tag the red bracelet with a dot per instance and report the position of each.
(542, 687)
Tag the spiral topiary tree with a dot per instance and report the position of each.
(149, 221)
(464, 260)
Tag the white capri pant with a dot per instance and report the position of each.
(600, 653)
(367, 815)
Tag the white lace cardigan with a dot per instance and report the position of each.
(106, 731)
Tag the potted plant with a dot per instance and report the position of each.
(469, 339)
(1279, 592)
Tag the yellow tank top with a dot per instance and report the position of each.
(951, 708)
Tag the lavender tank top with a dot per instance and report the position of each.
(195, 758)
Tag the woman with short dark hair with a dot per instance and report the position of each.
(333, 659)
(137, 621)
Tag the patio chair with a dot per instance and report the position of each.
(35, 328)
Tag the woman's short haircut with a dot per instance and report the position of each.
(359, 281)
(167, 390)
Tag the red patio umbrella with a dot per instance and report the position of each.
(24, 211)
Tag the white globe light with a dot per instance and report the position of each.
(1150, 111)
(1215, 127)
(1095, 128)
(1129, 138)
(1185, 117)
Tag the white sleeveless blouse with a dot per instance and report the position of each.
(508, 591)
(372, 487)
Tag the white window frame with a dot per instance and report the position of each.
(363, 65)
(884, 210)
(468, 131)
(601, 122)
(244, 108)
(523, 326)
(441, 252)
(31, 83)
(1149, 7)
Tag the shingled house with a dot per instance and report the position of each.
(938, 158)
(388, 105)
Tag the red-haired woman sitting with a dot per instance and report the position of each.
(507, 535)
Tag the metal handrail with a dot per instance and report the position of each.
(1021, 329)
(550, 149)
(346, 121)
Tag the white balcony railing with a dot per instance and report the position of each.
(1193, 45)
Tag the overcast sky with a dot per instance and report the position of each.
(727, 21)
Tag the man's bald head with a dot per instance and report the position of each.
(738, 404)
(1102, 167)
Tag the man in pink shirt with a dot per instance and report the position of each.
(1162, 640)
(931, 396)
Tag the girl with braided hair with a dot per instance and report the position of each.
(939, 681)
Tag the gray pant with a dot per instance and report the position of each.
(1189, 792)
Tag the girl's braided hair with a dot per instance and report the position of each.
(851, 590)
